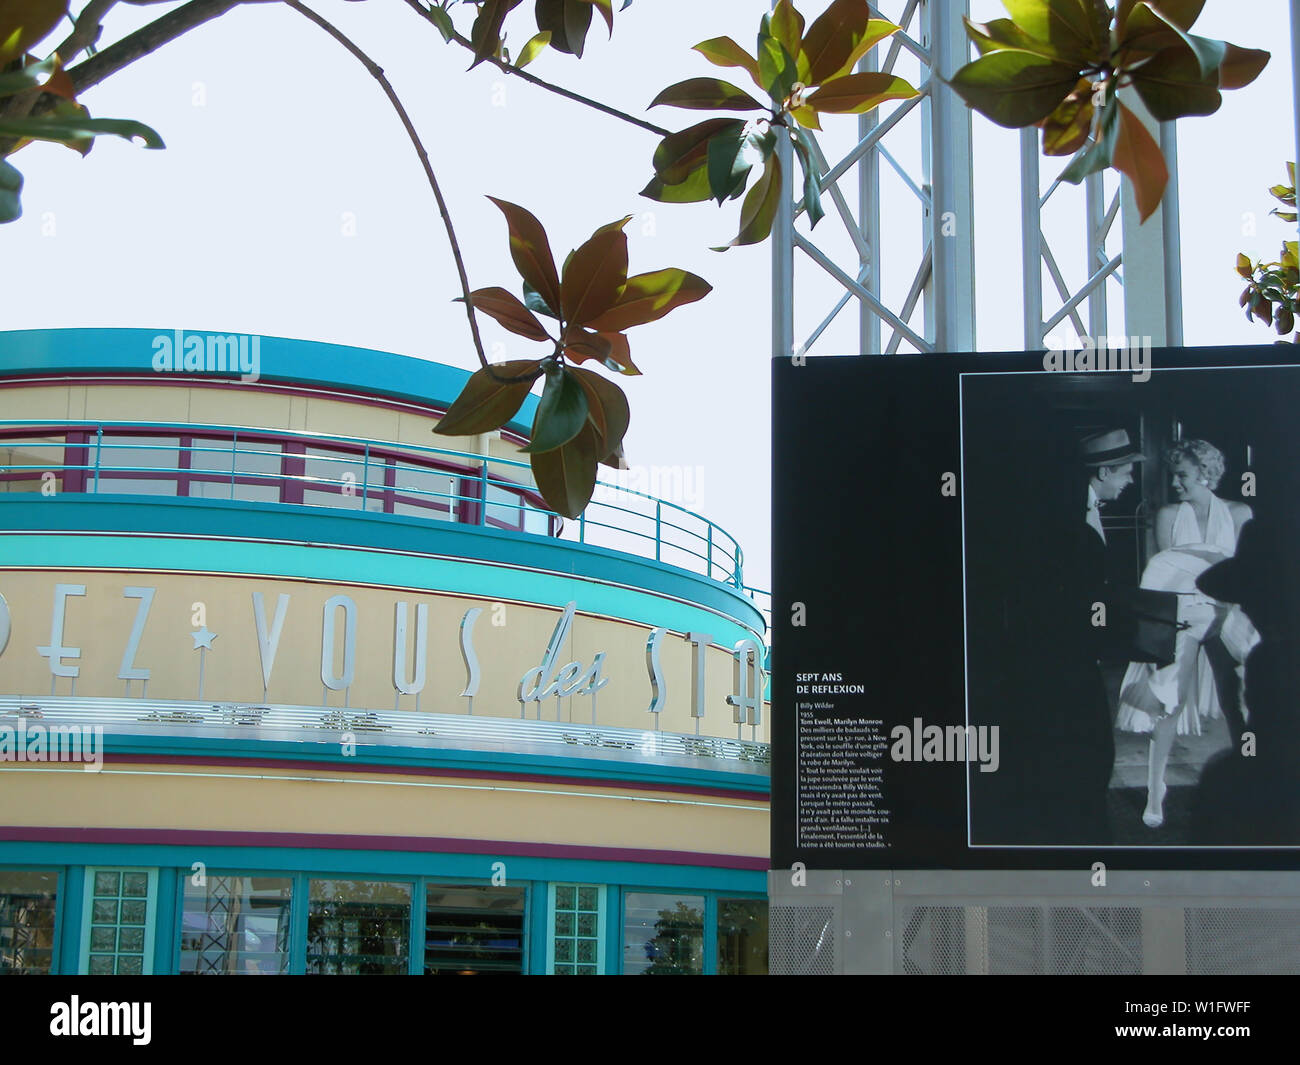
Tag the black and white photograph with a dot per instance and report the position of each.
(1132, 609)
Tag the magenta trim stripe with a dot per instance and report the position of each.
(419, 844)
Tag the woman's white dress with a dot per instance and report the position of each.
(1186, 686)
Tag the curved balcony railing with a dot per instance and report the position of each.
(315, 469)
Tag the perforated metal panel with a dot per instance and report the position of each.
(801, 940)
(1040, 923)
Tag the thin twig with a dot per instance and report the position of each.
(541, 83)
(377, 72)
(85, 31)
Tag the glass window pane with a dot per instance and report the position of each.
(117, 935)
(504, 507)
(236, 926)
(473, 929)
(742, 937)
(576, 928)
(134, 486)
(257, 493)
(27, 904)
(663, 934)
(39, 452)
(374, 917)
(135, 452)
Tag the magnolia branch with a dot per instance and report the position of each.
(377, 72)
(541, 83)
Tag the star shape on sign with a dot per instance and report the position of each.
(203, 638)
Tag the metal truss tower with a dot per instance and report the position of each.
(935, 311)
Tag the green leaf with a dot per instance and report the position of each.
(855, 94)
(777, 70)
(758, 212)
(841, 36)
(1066, 129)
(11, 187)
(28, 77)
(568, 22)
(812, 188)
(692, 189)
(505, 308)
(566, 476)
(728, 166)
(485, 35)
(606, 9)
(561, 413)
(74, 127)
(595, 275)
(1015, 89)
(439, 17)
(535, 46)
(787, 26)
(648, 297)
(531, 252)
(24, 23)
(1172, 86)
(1097, 156)
(1069, 26)
(485, 403)
(581, 344)
(680, 153)
(1002, 34)
(608, 409)
(1149, 24)
(1243, 266)
(706, 94)
(534, 302)
(724, 52)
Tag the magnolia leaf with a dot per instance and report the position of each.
(439, 17)
(706, 94)
(1138, 156)
(692, 189)
(812, 187)
(486, 403)
(605, 397)
(806, 117)
(535, 46)
(1241, 66)
(567, 21)
(1243, 266)
(786, 26)
(582, 344)
(1015, 89)
(561, 413)
(855, 94)
(566, 476)
(485, 35)
(1097, 156)
(534, 302)
(681, 153)
(1147, 23)
(606, 9)
(1066, 129)
(72, 128)
(724, 52)
(505, 308)
(758, 211)
(777, 70)
(1172, 86)
(28, 77)
(839, 37)
(11, 187)
(648, 297)
(531, 252)
(1069, 26)
(595, 274)
(1004, 35)
(619, 359)
(728, 166)
(24, 23)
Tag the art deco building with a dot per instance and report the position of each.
(344, 699)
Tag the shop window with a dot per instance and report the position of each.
(236, 925)
(359, 927)
(742, 937)
(117, 924)
(575, 930)
(663, 935)
(27, 902)
(473, 929)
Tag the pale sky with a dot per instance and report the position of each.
(288, 202)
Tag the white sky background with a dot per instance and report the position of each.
(276, 138)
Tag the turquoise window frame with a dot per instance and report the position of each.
(602, 924)
(148, 962)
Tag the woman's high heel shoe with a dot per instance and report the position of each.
(1157, 818)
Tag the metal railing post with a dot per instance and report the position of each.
(365, 475)
(234, 460)
(709, 571)
(482, 494)
(582, 526)
(99, 448)
(659, 507)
